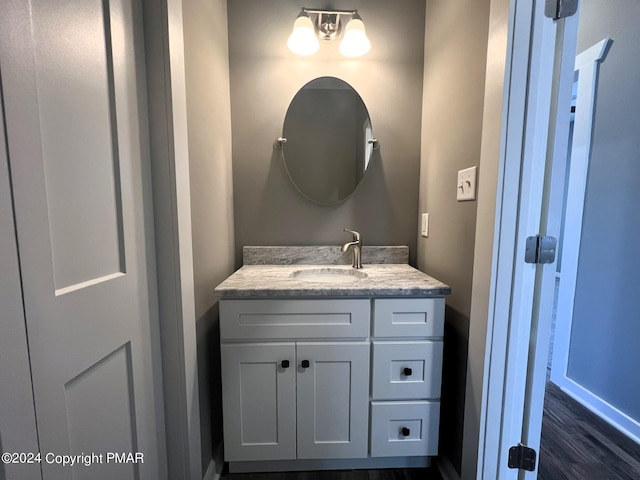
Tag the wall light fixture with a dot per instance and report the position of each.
(328, 25)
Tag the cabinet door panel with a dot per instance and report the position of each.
(259, 401)
(333, 397)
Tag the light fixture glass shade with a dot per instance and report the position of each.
(303, 40)
(355, 42)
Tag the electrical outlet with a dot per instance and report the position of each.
(425, 225)
(466, 188)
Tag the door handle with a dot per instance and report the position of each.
(305, 364)
(285, 364)
(407, 371)
(405, 431)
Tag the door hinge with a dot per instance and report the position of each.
(558, 9)
(540, 249)
(522, 457)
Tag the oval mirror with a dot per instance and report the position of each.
(329, 140)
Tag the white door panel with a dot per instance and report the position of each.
(71, 82)
(259, 401)
(332, 399)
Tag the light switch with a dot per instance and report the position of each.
(425, 225)
(466, 188)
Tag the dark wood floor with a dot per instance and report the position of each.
(578, 445)
(390, 474)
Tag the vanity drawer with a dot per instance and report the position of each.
(404, 428)
(408, 317)
(294, 319)
(406, 370)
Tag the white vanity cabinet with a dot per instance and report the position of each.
(285, 400)
(329, 379)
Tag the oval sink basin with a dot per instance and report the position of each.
(329, 275)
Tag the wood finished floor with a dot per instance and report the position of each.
(578, 445)
(388, 474)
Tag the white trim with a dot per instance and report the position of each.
(528, 94)
(164, 58)
(603, 409)
(446, 469)
(586, 64)
(211, 473)
(18, 416)
(587, 59)
(550, 224)
(182, 229)
(214, 470)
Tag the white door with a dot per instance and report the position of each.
(522, 292)
(595, 353)
(73, 85)
(333, 399)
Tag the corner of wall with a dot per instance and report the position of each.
(485, 233)
(210, 177)
(451, 140)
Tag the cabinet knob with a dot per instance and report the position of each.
(285, 364)
(405, 431)
(407, 371)
(305, 364)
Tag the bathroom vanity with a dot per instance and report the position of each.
(325, 366)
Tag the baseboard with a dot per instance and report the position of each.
(214, 470)
(263, 466)
(600, 407)
(446, 469)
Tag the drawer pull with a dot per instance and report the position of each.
(285, 364)
(407, 371)
(305, 364)
(405, 431)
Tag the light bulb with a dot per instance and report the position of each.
(355, 42)
(303, 40)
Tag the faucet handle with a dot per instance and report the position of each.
(356, 235)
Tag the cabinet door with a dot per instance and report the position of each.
(333, 394)
(259, 395)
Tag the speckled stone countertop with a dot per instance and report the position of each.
(390, 280)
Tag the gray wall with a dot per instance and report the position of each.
(454, 73)
(604, 354)
(265, 76)
(209, 124)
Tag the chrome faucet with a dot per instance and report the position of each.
(356, 244)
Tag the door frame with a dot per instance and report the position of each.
(167, 119)
(586, 65)
(18, 432)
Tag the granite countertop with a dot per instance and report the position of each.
(397, 280)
